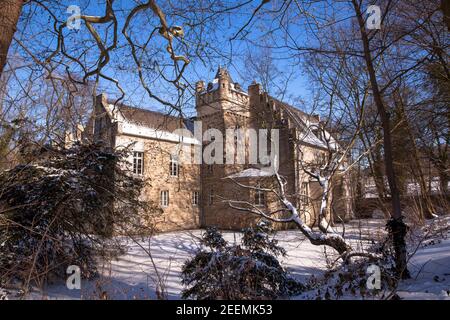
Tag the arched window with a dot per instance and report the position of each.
(304, 194)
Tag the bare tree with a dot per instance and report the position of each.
(9, 15)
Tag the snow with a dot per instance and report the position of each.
(213, 86)
(252, 173)
(430, 268)
(307, 136)
(132, 275)
(430, 265)
(184, 136)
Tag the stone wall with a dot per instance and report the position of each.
(181, 213)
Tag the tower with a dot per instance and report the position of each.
(221, 95)
(220, 105)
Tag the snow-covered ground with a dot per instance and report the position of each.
(430, 264)
(133, 275)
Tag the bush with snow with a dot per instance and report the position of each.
(249, 270)
(352, 279)
(63, 210)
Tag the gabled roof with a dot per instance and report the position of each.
(150, 119)
(302, 121)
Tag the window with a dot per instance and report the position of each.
(164, 198)
(138, 162)
(99, 124)
(260, 197)
(195, 198)
(304, 193)
(211, 197)
(174, 166)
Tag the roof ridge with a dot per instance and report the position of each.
(123, 105)
(290, 106)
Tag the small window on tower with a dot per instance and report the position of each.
(260, 197)
(195, 198)
(211, 197)
(99, 124)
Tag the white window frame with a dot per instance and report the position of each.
(164, 198)
(174, 167)
(195, 198)
(138, 162)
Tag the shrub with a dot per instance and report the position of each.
(64, 209)
(249, 270)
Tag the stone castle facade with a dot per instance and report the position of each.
(193, 195)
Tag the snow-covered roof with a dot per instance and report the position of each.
(252, 173)
(307, 136)
(152, 124)
(301, 119)
(150, 118)
(305, 123)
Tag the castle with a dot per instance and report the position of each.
(196, 194)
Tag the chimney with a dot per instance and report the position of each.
(199, 86)
(254, 89)
(316, 117)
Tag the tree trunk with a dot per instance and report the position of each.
(9, 15)
(443, 180)
(445, 7)
(397, 226)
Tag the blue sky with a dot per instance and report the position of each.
(122, 68)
